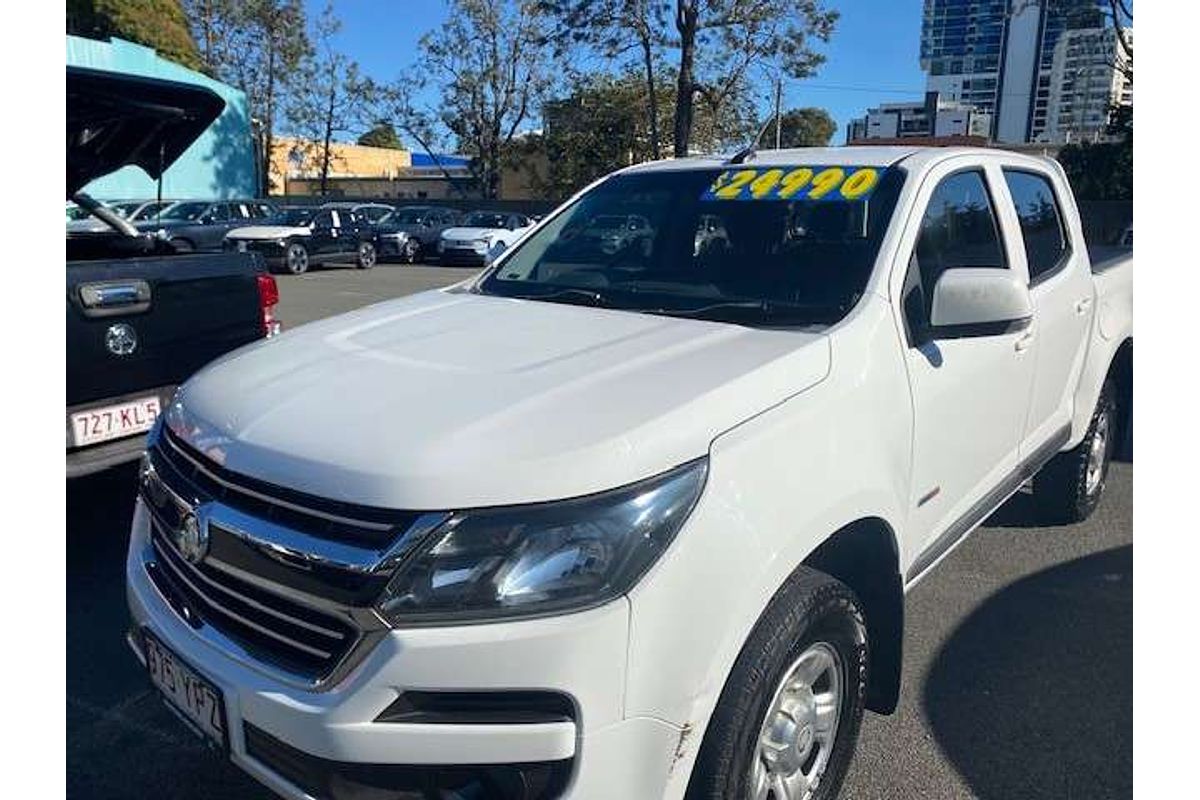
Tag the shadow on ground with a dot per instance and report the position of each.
(1032, 695)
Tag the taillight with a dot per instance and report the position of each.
(268, 298)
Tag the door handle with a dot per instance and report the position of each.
(1081, 306)
(1024, 343)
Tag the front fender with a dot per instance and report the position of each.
(779, 485)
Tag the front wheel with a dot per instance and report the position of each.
(296, 259)
(787, 721)
(410, 251)
(366, 255)
(1069, 487)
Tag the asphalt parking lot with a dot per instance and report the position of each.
(1018, 654)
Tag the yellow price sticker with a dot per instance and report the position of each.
(794, 183)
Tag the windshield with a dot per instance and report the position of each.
(296, 217)
(185, 212)
(485, 219)
(758, 246)
(403, 217)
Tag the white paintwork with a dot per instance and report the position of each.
(977, 295)
(446, 400)
(492, 235)
(268, 232)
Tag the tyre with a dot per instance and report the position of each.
(787, 720)
(1069, 487)
(296, 259)
(410, 251)
(366, 255)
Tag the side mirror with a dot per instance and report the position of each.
(975, 301)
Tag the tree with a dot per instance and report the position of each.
(493, 62)
(728, 37)
(395, 105)
(161, 24)
(806, 127)
(382, 134)
(600, 126)
(259, 46)
(331, 99)
(616, 28)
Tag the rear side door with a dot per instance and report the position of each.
(324, 238)
(1060, 285)
(970, 391)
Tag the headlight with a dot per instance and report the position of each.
(545, 558)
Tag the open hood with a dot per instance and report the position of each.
(114, 120)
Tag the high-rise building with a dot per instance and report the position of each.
(997, 55)
(1084, 85)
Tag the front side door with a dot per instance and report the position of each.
(970, 392)
(324, 233)
(1060, 285)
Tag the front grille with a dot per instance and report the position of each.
(308, 620)
(300, 639)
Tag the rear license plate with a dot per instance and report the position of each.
(115, 421)
(194, 698)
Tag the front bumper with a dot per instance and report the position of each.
(307, 743)
(463, 256)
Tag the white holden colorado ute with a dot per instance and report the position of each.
(630, 522)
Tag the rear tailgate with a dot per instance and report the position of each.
(199, 307)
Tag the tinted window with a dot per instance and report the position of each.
(1041, 222)
(958, 230)
(778, 261)
(185, 212)
(219, 213)
(323, 219)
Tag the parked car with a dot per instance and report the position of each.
(480, 235)
(132, 210)
(635, 526)
(200, 225)
(302, 236)
(140, 317)
(411, 231)
(370, 212)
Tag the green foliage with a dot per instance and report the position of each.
(806, 127)
(602, 126)
(161, 24)
(1103, 171)
(382, 134)
(721, 42)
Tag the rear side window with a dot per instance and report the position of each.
(958, 230)
(1041, 221)
(220, 212)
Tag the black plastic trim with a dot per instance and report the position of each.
(340, 780)
(479, 708)
(988, 503)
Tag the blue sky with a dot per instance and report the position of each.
(871, 59)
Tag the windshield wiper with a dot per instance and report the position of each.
(581, 297)
(774, 311)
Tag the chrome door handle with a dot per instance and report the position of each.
(1082, 306)
(1024, 343)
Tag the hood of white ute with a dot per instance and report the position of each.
(452, 400)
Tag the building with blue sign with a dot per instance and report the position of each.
(221, 163)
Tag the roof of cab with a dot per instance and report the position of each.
(853, 156)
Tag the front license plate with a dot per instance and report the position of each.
(197, 701)
(115, 421)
